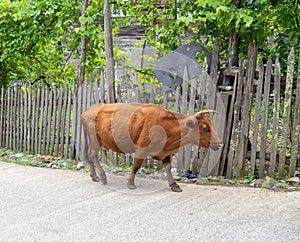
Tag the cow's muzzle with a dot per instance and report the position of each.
(216, 145)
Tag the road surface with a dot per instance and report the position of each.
(38, 204)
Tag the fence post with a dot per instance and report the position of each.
(213, 158)
(235, 126)
(286, 112)
(246, 111)
(296, 126)
(229, 125)
(212, 85)
(184, 104)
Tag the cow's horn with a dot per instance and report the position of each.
(205, 111)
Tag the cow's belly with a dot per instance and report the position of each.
(112, 130)
(118, 142)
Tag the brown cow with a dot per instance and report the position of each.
(146, 130)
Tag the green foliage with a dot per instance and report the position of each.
(272, 25)
(40, 39)
(91, 26)
(286, 20)
(33, 36)
(163, 29)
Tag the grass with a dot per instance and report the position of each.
(23, 158)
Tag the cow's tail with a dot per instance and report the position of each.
(85, 146)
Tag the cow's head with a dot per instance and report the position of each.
(206, 135)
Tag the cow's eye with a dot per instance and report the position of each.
(206, 128)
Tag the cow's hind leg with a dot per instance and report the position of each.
(93, 173)
(174, 186)
(88, 158)
(91, 147)
(95, 161)
(136, 165)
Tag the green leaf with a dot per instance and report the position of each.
(248, 20)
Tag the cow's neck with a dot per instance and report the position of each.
(186, 134)
(179, 136)
(183, 135)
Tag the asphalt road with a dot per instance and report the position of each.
(39, 204)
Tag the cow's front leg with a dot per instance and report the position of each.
(174, 186)
(136, 165)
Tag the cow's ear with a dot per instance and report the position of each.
(191, 124)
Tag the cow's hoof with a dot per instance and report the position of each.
(95, 179)
(175, 187)
(131, 186)
(103, 180)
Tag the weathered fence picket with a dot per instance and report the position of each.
(229, 123)
(35, 125)
(9, 113)
(256, 118)
(232, 157)
(211, 168)
(17, 123)
(24, 120)
(41, 113)
(275, 122)
(203, 153)
(286, 113)
(28, 117)
(295, 134)
(21, 121)
(246, 110)
(67, 153)
(181, 165)
(45, 121)
(2, 106)
(264, 120)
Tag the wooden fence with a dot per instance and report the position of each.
(261, 137)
